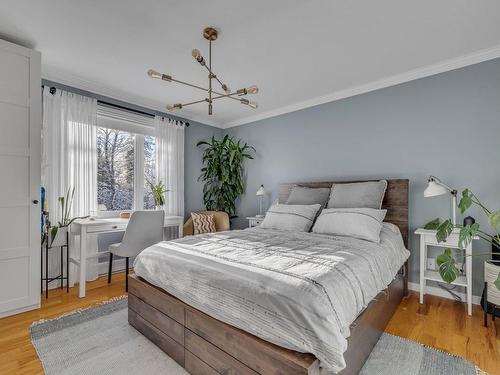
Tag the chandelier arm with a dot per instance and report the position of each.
(189, 84)
(195, 102)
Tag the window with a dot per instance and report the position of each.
(149, 170)
(126, 160)
(115, 170)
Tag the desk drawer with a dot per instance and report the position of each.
(106, 228)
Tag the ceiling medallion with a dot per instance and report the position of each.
(209, 34)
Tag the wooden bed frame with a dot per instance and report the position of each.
(206, 346)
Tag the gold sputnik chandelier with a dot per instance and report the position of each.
(209, 34)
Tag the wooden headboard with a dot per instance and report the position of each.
(395, 200)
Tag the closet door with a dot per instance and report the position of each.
(20, 124)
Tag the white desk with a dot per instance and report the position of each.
(108, 225)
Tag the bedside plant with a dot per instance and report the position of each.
(222, 172)
(446, 261)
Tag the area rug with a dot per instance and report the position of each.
(99, 340)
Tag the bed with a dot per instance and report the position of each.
(259, 302)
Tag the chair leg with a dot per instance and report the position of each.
(110, 267)
(126, 274)
(485, 304)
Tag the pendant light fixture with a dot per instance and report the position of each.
(209, 34)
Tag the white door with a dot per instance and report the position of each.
(20, 123)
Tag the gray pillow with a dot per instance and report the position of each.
(307, 195)
(292, 217)
(358, 195)
(362, 223)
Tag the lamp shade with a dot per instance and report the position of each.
(261, 191)
(433, 189)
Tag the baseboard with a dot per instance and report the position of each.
(436, 291)
(19, 310)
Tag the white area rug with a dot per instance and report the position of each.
(99, 341)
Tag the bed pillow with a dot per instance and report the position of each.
(203, 223)
(307, 195)
(362, 223)
(292, 217)
(358, 195)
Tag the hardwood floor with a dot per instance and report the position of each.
(440, 323)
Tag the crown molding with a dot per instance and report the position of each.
(433, 69)
(55, 75)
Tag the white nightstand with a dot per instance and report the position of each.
(253, 221)
(428, 238)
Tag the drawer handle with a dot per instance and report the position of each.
(114, 227)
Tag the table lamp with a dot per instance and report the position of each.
(436, 187)
(260, 193)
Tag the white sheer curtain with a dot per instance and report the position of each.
(69, 159)
(170, 162)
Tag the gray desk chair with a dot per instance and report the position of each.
(144, 229)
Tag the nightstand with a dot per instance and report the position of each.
(428, 238)
(254, 221)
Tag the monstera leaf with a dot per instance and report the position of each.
(466, 235)
(447, 266)
(433, 224)
(466, 200)
(444, 230)
(494, 220)
(497, 282)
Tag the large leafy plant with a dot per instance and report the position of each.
(447, 261)
(222, 172)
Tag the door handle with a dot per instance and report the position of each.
(35, 201)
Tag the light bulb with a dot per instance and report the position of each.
(196, 53)
(253, 105)
(154, 74)
(173, 107)
(252, 89)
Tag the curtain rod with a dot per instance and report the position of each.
(54, 89)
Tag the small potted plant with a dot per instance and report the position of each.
(56, 234)
(158, 190)
(447, 262)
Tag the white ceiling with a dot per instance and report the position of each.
(299, 53)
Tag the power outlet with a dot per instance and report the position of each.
(431, 264)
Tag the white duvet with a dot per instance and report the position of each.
(297, 290)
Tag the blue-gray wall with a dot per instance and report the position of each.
(193, 189)
(447, 125)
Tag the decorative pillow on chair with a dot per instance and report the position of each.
(203, 223)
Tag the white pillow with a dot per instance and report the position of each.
(292, 217)
(362, 223)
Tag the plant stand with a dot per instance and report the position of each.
(491, 293)
(45, 247)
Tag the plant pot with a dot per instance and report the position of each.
(493, 294)
(60, 238)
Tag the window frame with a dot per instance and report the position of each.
(139, 131)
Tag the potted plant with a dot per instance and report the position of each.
(158, 190)
(56, 234)
(447, 261)
(222, 172)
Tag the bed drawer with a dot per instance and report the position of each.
(155, 297)
(196, 366)
(165, 324)
(160, 339)
(260, 356)
(214, 357)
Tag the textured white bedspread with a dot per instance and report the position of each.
(297, 290)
